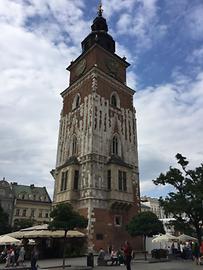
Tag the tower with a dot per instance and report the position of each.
(97, 160)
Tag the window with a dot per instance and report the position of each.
(74, 146)
(76, 180)
(109, 179)
(115, 146)
(24, 213)
(32, 212)
(23, 196)
(64, 178)
(122, 182)
(46, 215)
(99, 236)
(17, 212)
(117, 220)
(34, 197)
(113, 100)
(76, 102)
(40, 214)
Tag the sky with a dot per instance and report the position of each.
(163, 41)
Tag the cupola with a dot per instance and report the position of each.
(99, 34)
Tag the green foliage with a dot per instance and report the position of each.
(146, 224)
(22, 224)
(185, 203)
(65, 218)
(4, 225)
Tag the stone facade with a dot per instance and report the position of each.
(31, 203)
(154, 206)
(97, 161)
(7, 198)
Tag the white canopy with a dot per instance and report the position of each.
(45, 233)
(185, 237)
(8, 240)
(164, 238)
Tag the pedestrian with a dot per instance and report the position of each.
(8, 257)
(114, 257)
(101, 257)
(12, 260)
(34, 258)
(21, 256)
(196, 253)
(127, 254)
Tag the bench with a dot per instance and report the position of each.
(107, 261)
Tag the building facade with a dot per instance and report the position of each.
(7, 199)
(97, 160)
(31, 203)
(154, 206)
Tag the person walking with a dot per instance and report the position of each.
(128, 254)
(21, 256)
(34, 258)
(196, 253)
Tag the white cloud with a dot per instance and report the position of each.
(194, 22)
(32, 76)
(142, 23)
(169, 121)
(196, 57)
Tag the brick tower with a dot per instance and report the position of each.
(97, 161)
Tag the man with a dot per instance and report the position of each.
(128, 254)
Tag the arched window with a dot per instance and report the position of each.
(115, 146)
(76, 101)
(74, 146)
(113, 101)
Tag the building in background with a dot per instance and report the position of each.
(31, 203)
(7, 199)
(97, 160)
(23, 202)
(153, 205)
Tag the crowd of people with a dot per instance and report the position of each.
(187, 250)
(13, 255)
(116, 257)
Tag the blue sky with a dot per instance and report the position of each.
(163, 41)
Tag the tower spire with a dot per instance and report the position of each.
(100, 10)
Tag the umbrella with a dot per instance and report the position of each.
(184, 238)
(45, 234)
(164, 238)
(8, 240)
(49, 233)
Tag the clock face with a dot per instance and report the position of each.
(112, 65)
(80, 67)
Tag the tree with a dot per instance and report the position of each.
(185, 203)
(4, 224)
(65, 218)
(22, 224)
(145, 224)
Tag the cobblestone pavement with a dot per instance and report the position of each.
(136, 265)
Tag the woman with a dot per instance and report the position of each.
(21, 256)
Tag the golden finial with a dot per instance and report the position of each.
(100, 10)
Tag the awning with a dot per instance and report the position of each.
(45, 234)
(8, 240)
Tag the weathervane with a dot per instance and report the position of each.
(100, 10)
